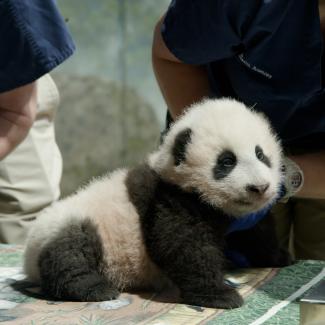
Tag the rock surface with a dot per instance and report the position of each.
(100, 127)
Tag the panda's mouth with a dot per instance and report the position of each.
(243, 202)
(250, 203)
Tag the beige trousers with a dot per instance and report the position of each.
(30, 175)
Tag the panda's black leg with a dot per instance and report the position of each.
(194, 262)
(84, 287)
(199, 275)
(260, 245)
(184, 238)
(70, 266)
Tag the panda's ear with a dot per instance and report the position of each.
(182, 139)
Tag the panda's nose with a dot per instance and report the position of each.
(257, 189)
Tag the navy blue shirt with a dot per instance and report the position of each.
(33, 41)
(265, 53)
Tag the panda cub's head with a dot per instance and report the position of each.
(225, 152)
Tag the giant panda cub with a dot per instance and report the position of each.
(166, 220)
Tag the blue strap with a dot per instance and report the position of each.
(248, 221)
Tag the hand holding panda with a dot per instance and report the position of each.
(166, 220)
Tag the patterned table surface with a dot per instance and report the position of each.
(270, 298)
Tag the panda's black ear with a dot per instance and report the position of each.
(179, 149)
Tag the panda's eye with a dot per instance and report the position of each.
(259, 153)
(228, 162)
(227, 159)
(262, 157)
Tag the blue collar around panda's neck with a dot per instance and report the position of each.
(247, 221)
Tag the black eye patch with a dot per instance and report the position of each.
(226, 162)
(179, 148)
(262, 157)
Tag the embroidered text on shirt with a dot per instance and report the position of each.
(253, 67)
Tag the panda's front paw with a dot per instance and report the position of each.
(229, 298)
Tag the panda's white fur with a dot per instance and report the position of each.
(216, 125)
(220, 124)
(106, 202)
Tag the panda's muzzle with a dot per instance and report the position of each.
(257, 189)
(255, 194)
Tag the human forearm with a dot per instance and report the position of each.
(17, 113)
(313, 167)
(181, 84)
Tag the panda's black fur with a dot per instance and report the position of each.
(196, 250)
(181, 235)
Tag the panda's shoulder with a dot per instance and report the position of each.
(141, 182)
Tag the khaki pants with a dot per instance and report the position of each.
(301, 227)
(30, 175)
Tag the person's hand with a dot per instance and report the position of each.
(17, 114)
